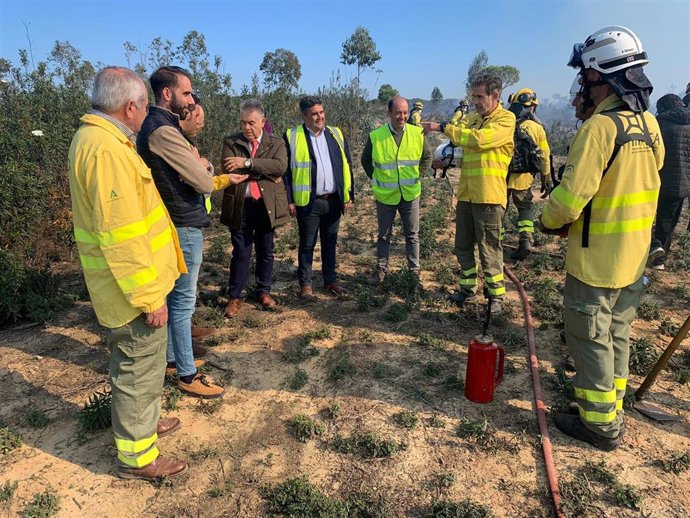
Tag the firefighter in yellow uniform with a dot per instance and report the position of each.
(416, 114)
(606, 203)
(486, 137)
(524, 105)
(131, 258)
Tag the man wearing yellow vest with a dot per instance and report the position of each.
(486, 137)
(320, 188)
(524, 105)
(393, 157)
(606, 203)
(131, 257)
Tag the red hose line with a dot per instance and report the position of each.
(540, 407)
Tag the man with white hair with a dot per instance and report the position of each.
(131, 257)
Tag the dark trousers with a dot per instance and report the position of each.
(667, 214)
(256, 229)
(323, 219)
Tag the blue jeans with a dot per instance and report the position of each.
(182, 301)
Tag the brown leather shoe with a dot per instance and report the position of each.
(198, 351)
(202, 332)
(172, 371)
(337, 290)
(307, 293)
(233, 308)
(167, 425)
(201, 386)
(266, 301)
(159, 468)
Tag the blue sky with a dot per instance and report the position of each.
(423, 43)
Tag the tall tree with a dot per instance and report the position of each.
(480, 66)
(436, 95)
(386, 92)
(359, 49)
(281, 69)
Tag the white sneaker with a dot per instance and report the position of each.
(659, 266)
(654, 254)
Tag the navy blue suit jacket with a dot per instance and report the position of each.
(336, 162)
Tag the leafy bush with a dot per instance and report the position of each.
(9, 440)
(7, 490)
(643, 355)
(304, 427)
(367, 445)
(299, 498)
(27, 293)
(96, 412)
(43, 505)
(463, 509)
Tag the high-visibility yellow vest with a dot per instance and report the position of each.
(396, 168)
(300, 164)
(623, 201)
(127, 244)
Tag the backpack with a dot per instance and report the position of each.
(526, 154)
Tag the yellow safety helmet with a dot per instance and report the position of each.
(526, 97)
(511, 98)
(419, 104)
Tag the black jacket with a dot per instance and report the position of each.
(185, 205)
(336, 162)
(675, 174)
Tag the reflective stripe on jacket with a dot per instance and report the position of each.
(536, 132)
(127, 244)
(623, 201)
(396, 168)
(300, 164)
(487, 144)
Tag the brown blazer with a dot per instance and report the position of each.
(269, 163)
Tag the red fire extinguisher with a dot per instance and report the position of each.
(482, 377)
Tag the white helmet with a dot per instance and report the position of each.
(609, 50)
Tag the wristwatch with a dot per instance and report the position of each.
(248, 163)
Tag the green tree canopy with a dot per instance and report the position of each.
(480, 66)
(281, 69)
(386, 92)
(359, 49)
(436, 95)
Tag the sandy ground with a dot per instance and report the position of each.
(242, 444)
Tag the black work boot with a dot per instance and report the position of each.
(524, 249)
(574, 427)
(461, 297)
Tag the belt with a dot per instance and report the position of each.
(325, 196)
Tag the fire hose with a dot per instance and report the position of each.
(540, 407)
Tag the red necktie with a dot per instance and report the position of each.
(254, 190)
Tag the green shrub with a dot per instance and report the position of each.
(36, 418)
(9, 440)
(677, 462)
(27, 293)
(298, 380)
(367, 445)
(43, 505)
(643, 355)
(304, 427)
(7, 491)
(96, 412)
(406, 419)
(463, 509)
(297, 497)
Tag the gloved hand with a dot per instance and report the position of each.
(562, 232)
(546, 186)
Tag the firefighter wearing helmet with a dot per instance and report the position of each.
(416, 114)
(524, 105)
(606, 204)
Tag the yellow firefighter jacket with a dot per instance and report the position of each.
(127, 244)
(487, 144)
(623, 200)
